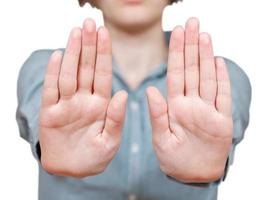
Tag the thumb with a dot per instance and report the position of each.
(115, 115)
(158, 111)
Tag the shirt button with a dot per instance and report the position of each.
(134, 105)
(132, 197)
(135, 148)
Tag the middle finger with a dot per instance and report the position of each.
(192, 57)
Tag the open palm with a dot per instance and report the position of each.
(192, 130)
(80, 124)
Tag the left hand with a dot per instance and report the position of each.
(192, 130)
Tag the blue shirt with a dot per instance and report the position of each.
(134, 172)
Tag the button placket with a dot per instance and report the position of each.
(134, 174)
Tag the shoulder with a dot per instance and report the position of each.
(237, 75)
(32, 71)
(235, 71)
(37, 59)
(240, 88)
(35, 64)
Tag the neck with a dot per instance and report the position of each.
(138, 53)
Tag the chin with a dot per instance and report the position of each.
(134, 17)
(135, 21)
(134, 25)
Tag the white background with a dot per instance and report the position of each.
(238, 33)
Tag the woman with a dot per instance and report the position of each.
(97, 136)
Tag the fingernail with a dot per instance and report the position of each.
(76, 33)
(205, 38)
(90, 26)
(193, 23)
(56, 55)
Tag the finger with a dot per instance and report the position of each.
(158, 111)
(175, 71)
(68, 73)
(223, 99)
(50, 87)
(192, 57)
(115, 116)
(208, 85)
(103, 71)
(88, 56)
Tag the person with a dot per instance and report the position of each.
(129, 111)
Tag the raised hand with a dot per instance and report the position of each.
(192, 130)
(80, 124)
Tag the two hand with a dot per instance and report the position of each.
(192, 130)
(80, 124)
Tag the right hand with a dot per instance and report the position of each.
(80, 124)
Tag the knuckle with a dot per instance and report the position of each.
(114, 118)
(209, 82)
(111, 147)
(67, 77)
(224, 95)
(178, 70)
(71, 53)
(192, 68)
(103, 72)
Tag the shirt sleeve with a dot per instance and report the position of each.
(241, 98)
(29, 89)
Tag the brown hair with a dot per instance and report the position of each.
(83, 2)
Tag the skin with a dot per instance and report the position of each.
(140, 31)
(80, 123)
